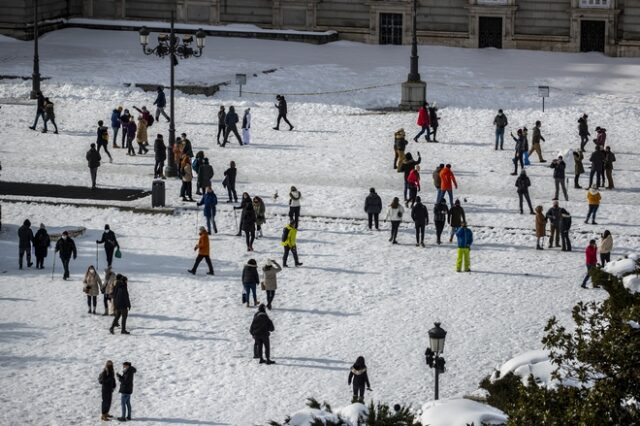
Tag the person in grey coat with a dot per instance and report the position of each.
(373, 207)
(270, 280)
(25, 238)
(93, 160)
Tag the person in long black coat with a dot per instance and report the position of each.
(420, 216)
(205, 174)
(229, 182)
(523, 183)
(261, 328)
(249, 225)
(282, 112)
(373, 207)
(358, 375)
(126, 389)
(67, 248)
(121, 304)
(246, 201)
(110, 243)
(107, 379)
(41, 244)
(25, 238)
(160, 151)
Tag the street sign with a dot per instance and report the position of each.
(543, 92)
(240, 80)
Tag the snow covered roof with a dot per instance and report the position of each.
(460, 412)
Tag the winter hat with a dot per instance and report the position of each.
(203, 229)
(457, 203)
(27, 222)
(269, 263)
(252, 262)
(261, 308)
(42, 226)
(106, 227)
(65, 233)
(372, 190)
(418, 200)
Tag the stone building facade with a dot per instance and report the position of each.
(609, 26)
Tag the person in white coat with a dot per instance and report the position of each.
(246, 127)
(394, 214)
(294, 205)
(605, 247)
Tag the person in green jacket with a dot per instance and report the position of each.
(289, 243)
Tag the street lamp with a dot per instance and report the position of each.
(435, 349)
(174, 47)
(35, 77)
(414, 90)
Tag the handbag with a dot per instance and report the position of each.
(225, 181)
(118, 253)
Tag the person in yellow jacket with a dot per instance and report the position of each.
(289, 234)
(593, 198)
(203, 252)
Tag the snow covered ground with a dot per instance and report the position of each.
(356, 294)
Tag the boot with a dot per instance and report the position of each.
(104, 418)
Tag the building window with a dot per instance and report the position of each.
(602, 4)
(390, 28)
(492, 2)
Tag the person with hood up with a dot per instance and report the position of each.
(373, 207)
(25, 239)
(203, 252)
(597, 160)
(578, 168)
(440, 214)
(282, 112)
(121, 304)
(205, 174)
(500, 121)
(591, 259)
(110, 243)
(41, 244)
(231, 126)
(394, 214)
(93, 161)
(249, 224)
(126, 390)
(358, 376)
(294, 205)
(160, 152)
(465, 239)
(407, 166)
(420, 216)
(107, 380)
(535, 142)
(161, 104)
(593, 198)
(91, 285)
(229, 182)
(270, 280)
(115, 124)
(399, 145)
(456, 218)
(558, 165)
(609, 159)
(583, 131)
(289, 236)
(67, 248)
(261, 328)
(423, 122)
(259, 208)
(209, 201)
(222, 115)
(250, 280)
(246, 127)
(523, 183)
(519, 151)
(447, 182)
(541, 225)
(605, 247)
(414, 185)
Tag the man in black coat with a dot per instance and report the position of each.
(597, 160)
(583, 131)
(205, 174)
(420, 216)
(93, 160)
(110, 243)
(373, 207)
(407, 165)
(161, 103)
(25, 238)
(67, 248)
(108, 381)
(440, 214)
(523, 183)
(282, 112)
(126, 389)
(248, 221)
(121, 304)
(558, 165)
(261, 328)
(554, 217)
(160, 151)
(39, 112)
(231, 126)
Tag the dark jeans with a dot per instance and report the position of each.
(250, 237)
(125, 402)
(420, 233)
(53, 121)
(586, 277)
(221, 130)
(518, 160)
(231, 129)
(115, 134)
(158, 168)
(605, 258)
(294, 251)
(421, 132)
(373, 218)
(124, 313)
(39, 262)
(91, 299)
(109, 252)
(185, 190)
(22, 252)
(439, 229)
(263, 342)
(499, 137)
(599, 177)
(199, 259)
(576, 181)
(583, 141)
(271, 294)
(104, 145)
(554, 231)
(283, 117)
(294, 215)
(130, 149)
(250, 288)
(525, 195)
(124, 135)
(94, 176)
(593, 208)
(395, 224)
(566, 243)
(65, 266)
(358, 391)
(209, 221)
(441, 195)
(233, 195)
(39, 114)
(105, 300)
(559, 182)
(413, 193)
(106, 401)
(434, 132)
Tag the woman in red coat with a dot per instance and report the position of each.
(414, 185)
(423, 122)
(591, 255)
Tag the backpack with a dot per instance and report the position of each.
(105, 135)
(150, 121)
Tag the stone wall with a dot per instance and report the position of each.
(443, 15)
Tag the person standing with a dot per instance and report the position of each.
(161, 103)
(246, 127)
(209, 201)
(465, 239)
(541, 225)
(229, 182)
(91, 287)
(601, 137)
(115, 124)
(249, 225)
(270, 280)
(107, 289)
(244, 203)
(593, 198)
(187, 148)
(605, 247)
(110, 243)
(25, 239)
(126, 390)
(289, 235)
(399, 145)
(420, 216)
(222, 115)
(259, 208)
(142, 138)
(93, 159)
(554, 216)
(591, 259)
(203, 252)
(578, 168)
(282, 112)
(565, 226)
(519, 151)
(49, 115)
(294, 205)
(609, 159)
(434, 121)
(407, 166)
(456, 218)
(231, 122)
(205, 174)
(121, 304)
(107, 380)
(261, 328)
(67, 248)
(423, 122)
(535, 142)
(500, 121)
(523, 183)
(437, 182)
(41, 244)
(447, 182)
(250, 280)
(125, 117)
(583, 131)
(597, 160)
(186, 175)
(414, 185)
(131, 135)
(440, 214)
(394, 214)
(358, 375)
(102, 139)
(373, 207)
(160, 152)
(558, 165)
(39, 112)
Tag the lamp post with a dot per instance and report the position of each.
(414, 90)
(433, 352)
(174, 47)
(35, 77)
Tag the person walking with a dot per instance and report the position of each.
(434, 121)
(541, 225)
(67, 248)
(597, 160)
(399, 145)
(49, 115)
(373, 207)
(261, 328)
(558, 165)
(294, 205)
(440, 214)
(110, 243)
(25, 239)
(259, 208)
(231, 126)
(161, 104)
(40, 111)
(142, 138)
(41, 244)
(593, 198)
(456, 218)
(246, 127)
(203, 252)
(186, 174)
(160, 152)
(358, 376)
(289, 235)
(465, 239)
(244, 203)
(222, 115)
(282, 112)
(420, 216)
(102, 139)
(115, 124)
(270, 280)
(414, 185)
(609, 159)
(394, 214)
(578, 168)
(605, 247)
(583, 131)
(523, 183)
(93, 161)
(250, 280)
(121, 304)
(500, 121)
(249, 225)
(535, 142)
(437, 182)
(126, 390)
(591, 259)
(229, 182)
(125, 117)
(554, 216)
(205, 174)
(107, 380)
(91, 285)
(423, 122)
(407, 166)
(209, 201)
(447, 182)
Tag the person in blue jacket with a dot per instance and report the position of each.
(115, 124)
(465, 239)
(209, 200)
(161, 103)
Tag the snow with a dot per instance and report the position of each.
(621, 267)
(356, 294)
(460, 412)
(536, 363)
(350, 414)
(632, 283)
